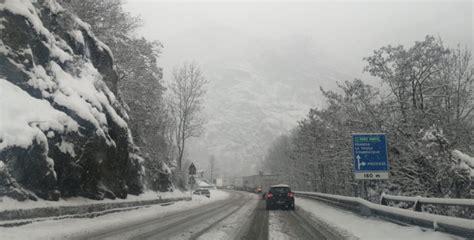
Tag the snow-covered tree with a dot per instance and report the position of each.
(427, 115)
(139, 83)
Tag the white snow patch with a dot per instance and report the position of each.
(2, 20)
(2, 166)
(218, 194)
(464, 158)
(203, 184)
(24, 118)
(67, 147)
(50, 165)
(88, 88)
(77, 35)
(366, 228)
(85, 94)
(50, 134)
(453, 201)
(275, 228)
(40, 80)
(57, 52)
(26, 9)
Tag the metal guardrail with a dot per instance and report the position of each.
(419, 201)
(457, 226)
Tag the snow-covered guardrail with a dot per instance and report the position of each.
(419, 201)
(457, 226)
(18, 216)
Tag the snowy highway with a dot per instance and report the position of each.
(244, 120)
(240, 216)
(206, 220)
(188, 224)
(225, 215)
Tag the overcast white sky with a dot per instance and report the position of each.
(345, 30)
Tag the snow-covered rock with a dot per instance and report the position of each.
(62, 130)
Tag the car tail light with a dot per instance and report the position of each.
(291, 194)
(269, 195)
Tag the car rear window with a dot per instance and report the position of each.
(280, 190)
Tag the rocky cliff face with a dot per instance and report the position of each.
(62, 130)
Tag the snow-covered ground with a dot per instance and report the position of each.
(364, 227)
(70, 228)
(7, 203)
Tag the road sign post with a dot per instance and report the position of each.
(370, 156)
(191, 180)
(192, 172)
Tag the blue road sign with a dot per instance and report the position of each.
(369, 151)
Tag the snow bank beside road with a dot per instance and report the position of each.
(7, 203)
(73, 228)
(217, 195)
(363, 227)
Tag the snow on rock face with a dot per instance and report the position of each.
(26, 119)
(62, 131)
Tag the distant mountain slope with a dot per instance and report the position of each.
(251, 103)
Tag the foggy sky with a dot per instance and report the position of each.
(345, 30)
(339, 34)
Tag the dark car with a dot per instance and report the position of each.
(202, 191)
(280, 197)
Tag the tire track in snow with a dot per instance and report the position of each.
(217, 230)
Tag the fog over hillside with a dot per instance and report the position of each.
(266, 61)
(258, 99)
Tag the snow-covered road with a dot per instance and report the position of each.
(223, 219)
(226, 215)
(293, 225)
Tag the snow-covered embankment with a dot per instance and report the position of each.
(365, 227)
(73, 227)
